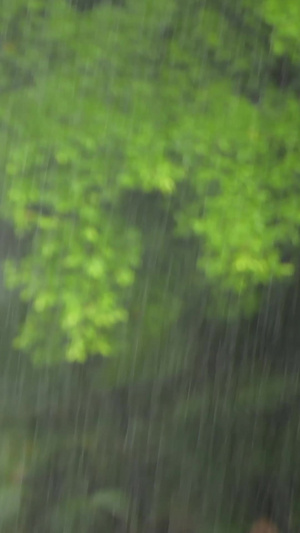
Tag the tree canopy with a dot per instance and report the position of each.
(193, 107)
(150, 169)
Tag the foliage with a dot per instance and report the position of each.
(149, 157)
(105, 104)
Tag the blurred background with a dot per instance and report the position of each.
(149, 257)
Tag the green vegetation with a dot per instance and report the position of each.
(150, 168)
(109, 109)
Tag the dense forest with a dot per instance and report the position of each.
(150, 257)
